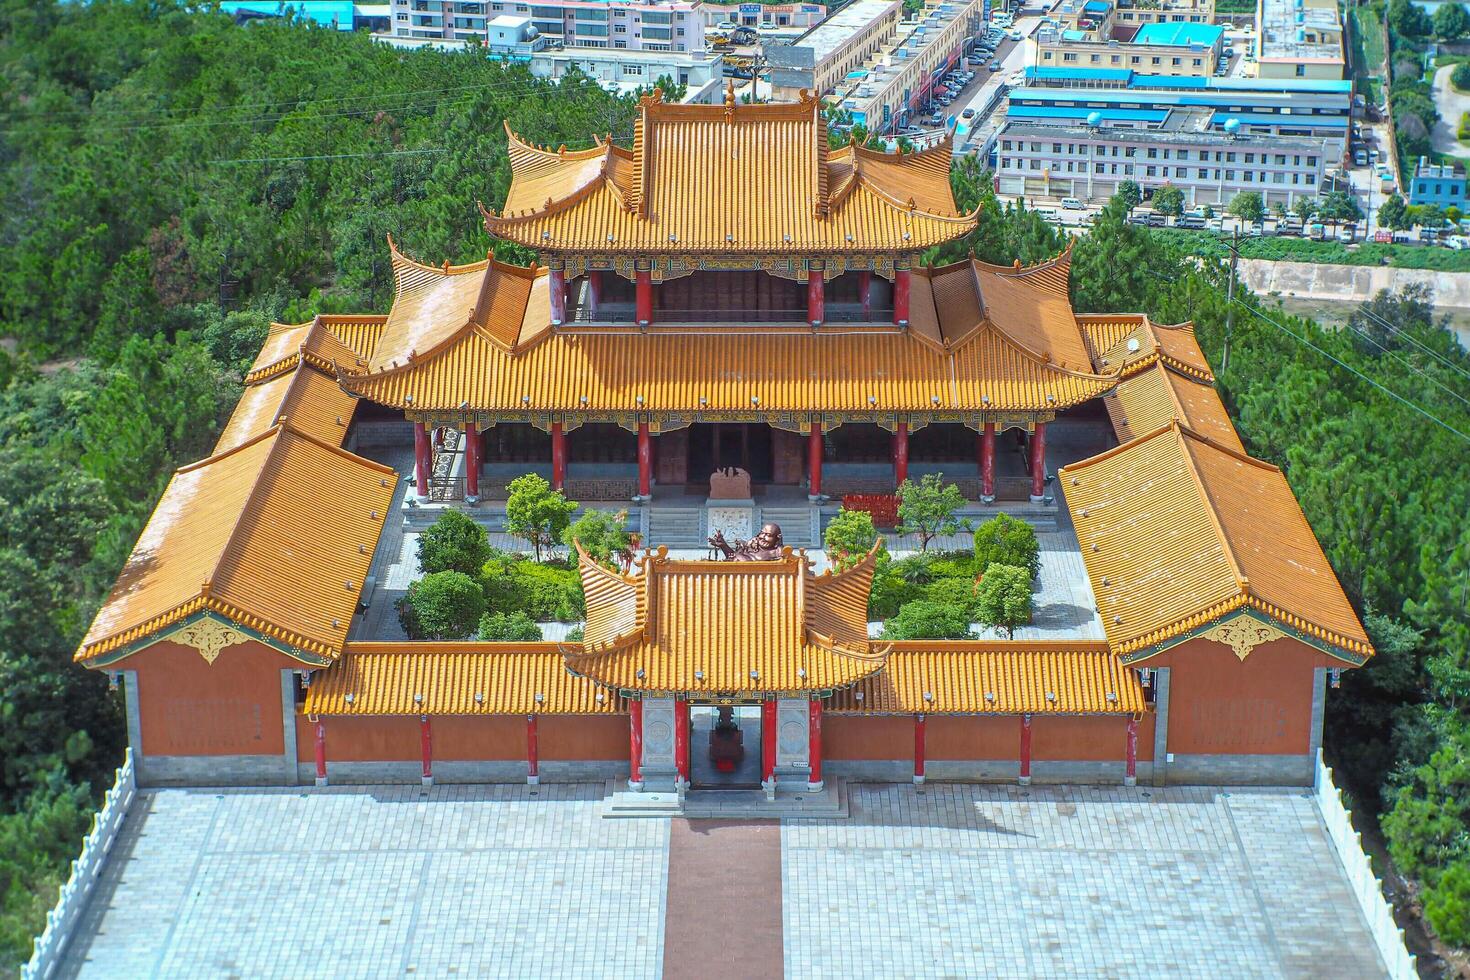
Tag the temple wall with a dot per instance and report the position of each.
(853, 737)
(1221, 705)
(187, 706)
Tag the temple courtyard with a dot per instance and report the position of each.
(515, 881)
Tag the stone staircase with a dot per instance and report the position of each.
(675, 527)
(795, 521)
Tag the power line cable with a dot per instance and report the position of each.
(1406, 335)
(1412, 367)
(1392, 394)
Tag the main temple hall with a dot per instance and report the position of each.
(727, 324)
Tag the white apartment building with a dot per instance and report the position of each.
(1089, 163)
(820, 59)
(665, 25)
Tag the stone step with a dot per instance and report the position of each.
(827, 803)
(795, 521)
(675, 527)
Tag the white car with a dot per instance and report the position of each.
(726, 25)
(1071, 204)
(1458, 242)
(1015, 35)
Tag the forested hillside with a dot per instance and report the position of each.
(169, 183)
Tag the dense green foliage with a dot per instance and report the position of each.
(509, 627)
(1003, 598)
(550, 590)
(453, 543)
(1460, 76)
(600, 534)
(926, 619)
(442, 606)
(1294, 249)
(849, 538)
(1005, 540)
(536, 513)
(929, 508)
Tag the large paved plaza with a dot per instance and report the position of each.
(522, 882)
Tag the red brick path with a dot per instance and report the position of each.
(723, 911)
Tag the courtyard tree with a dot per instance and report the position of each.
(1451, 22)
(1248, 207)
(849, 538)
(454, 542)
(1169, 201)
(1409, 19)
(927, 619)
(442, 606)
(929, 509)
(1006, 540)
(1003, 598)
(536, 513)
(600, 533)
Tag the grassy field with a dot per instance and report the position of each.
(1289, 249)
(1369, 43)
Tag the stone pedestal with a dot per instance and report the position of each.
(733, 518)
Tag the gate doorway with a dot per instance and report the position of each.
(735, 732)
(716, 445)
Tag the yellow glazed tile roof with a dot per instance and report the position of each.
(1178, 532)
(499, 363)
(936, 677)
(732, 178)
(455, 679)
(1152, 397)
(275, 534)
(322, 342)
(726, 627)
(312, 402)
(1130, 344)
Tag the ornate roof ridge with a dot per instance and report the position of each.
(1042, 358)
(1062, 259)
(444, 270)
(562, 153)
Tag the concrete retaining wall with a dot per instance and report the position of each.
(1350, 283)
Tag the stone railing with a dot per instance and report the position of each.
(85, 870)
(1367, 889)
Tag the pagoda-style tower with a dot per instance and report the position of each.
(716, 215)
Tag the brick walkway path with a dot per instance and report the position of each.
(990, 881)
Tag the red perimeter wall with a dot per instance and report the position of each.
(187, 706)
(466, 738)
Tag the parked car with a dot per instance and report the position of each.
(968, 114)
(726, 25)
(1191, 221)
(995, 66)
(1015, 35)
(1347, 236)
(1071, 204)
(1360, 158)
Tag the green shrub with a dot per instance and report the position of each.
(1003, 598)
(454, 543)
(576, 634)
(915, 569)
(509, 627)
(849, 538)
(953, 592)
(956, 564)
(442, 606)
(925, 619)
(541, 590)
(889, 594)
(599, 533)
(1004, 540)
(1460, 77)
(1447, 904)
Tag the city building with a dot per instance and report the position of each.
(1165, 42)
(821, 58)
(665, 25)
(1438, 183)
(514, 38)
(885, 90)
(626, 71)
(728, 304)
(1089, 162)
(1299, 39)
(341, 14)
(762, 15)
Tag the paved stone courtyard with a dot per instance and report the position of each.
(954, 880)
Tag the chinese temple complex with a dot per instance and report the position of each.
(726, 324)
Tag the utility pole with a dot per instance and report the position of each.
(1230, 298)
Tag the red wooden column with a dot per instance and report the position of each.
(768, 746)
(1038, 463)
(814, 448)
(814, 743)
(901, 297)
(681, 741)
(645, 462)
(635, 744)
(918, 750)
(644, 282)
(422, 457)
(426, 750)
(558, 297)
(987, 463)
(471, 463)
(865, 292)
(901, 454)
(558, 457)
(1130, 773)
(1026, 749)
(533, 753)
(321, 753)
(816, 303)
